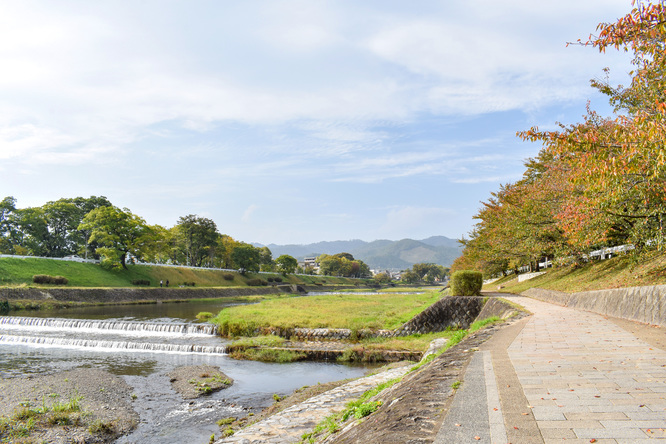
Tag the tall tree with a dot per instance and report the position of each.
(198, 238)
(246, 258)
(619, 163)
(119, 232)
(286, 264)
(7, 229)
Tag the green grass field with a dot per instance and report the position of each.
(15, 272)
(354, 311)
(618, 272)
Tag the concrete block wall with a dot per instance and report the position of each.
(643, 304)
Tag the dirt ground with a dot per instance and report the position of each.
(105, 399)
(194, 381)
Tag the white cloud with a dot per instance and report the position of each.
(248, 212)
(242, 99)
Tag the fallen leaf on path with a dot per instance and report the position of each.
(477, 438)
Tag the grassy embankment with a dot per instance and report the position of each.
(351, 311)
(19, 272)
(617, 272)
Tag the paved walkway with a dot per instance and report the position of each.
(563, 375)
(559, 375)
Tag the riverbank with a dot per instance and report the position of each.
(34, 298)
(16, 271)
(82, 405)
(410, 408)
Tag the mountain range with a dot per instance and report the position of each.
(380, 254)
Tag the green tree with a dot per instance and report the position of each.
(267, 263)
(286, 264)
(197, 239)
(7, 228)
(246, 258)
(31, 230)
(409, 277)
(382, 278)
(119, 233)
(328, 265)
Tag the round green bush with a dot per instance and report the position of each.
(466, 283)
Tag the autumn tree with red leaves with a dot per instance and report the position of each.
(598, 182)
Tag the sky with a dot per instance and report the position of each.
(290, 121)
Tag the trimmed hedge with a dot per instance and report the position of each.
(188, 284)
(466, 283)
(141, 282)
(228, 276)
(256, 282)
(46, 279)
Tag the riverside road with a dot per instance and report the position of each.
(568, 375)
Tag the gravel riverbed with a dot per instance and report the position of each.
(106, 410)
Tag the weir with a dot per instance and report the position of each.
(111, 326)
(111, 345)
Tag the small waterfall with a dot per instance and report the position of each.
(100, 326)
(112, 345)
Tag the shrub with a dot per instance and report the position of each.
(141, 282)
(46, 279)
(99, 427)
(188, 284)
(277, 279)
(466, 283)
(205, 315)
(270, 279)
(228, 277)
(256, 282)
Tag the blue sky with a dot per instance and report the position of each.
(290, 121)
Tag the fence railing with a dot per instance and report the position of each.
(68, 258)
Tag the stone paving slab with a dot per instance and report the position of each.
(468, 419)
(289, 425)
(588, 379)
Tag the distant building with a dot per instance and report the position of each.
(309, 263)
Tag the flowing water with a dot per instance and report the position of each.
(142, 343)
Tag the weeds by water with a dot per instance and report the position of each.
(27, 417)
(259, 349)
(207, 384)
(358, 409)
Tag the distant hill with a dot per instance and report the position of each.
(382, 253)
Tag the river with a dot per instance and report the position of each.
(142, 343)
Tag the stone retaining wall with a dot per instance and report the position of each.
(117, 295)
(360, 355)
(450, 311)
(498, 307)
(642, 304)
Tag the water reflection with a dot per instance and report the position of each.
(162, 312)
(165, 416)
